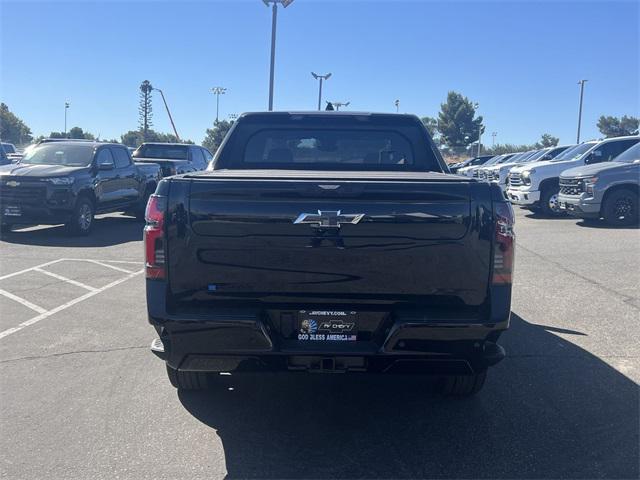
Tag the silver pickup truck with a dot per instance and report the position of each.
(606, 190)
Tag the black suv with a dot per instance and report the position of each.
(69, 182)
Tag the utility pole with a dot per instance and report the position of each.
(493, 139)
(475, 107)
(168, 113)
(397, 104)
(581, 83)
(321, 78)
(274, 21)
(66, 107)
(217, 91)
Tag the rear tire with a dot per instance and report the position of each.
(82, 217)
(187, 380)
(463, 385)
(620, 208)
(549, 204)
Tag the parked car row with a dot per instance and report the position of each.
(69, 182)
(563, 179)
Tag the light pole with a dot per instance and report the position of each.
(217, 91)
(581, 82)
(397, 104)
(476, 106)
(66, 107)
(337, 105)
(493, 139)
(321, 78)
(274, 20)
(168, 112)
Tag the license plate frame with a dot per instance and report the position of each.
(324, 326)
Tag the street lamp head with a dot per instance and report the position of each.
(327, 76)
(314, 75)
(285, 3)
(219, 90)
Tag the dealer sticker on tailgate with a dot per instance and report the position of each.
(327, 326)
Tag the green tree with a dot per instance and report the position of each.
(135, 138)
(618, 127)
(215, 135)
(78, 133)
(456, 124)
(431, 125)
(547, 140)
(12, 129)
(145, 109)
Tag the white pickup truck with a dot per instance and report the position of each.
(498, 173)
(537, 185)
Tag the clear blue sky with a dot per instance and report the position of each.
(520, 60)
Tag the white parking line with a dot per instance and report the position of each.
(119, 269)
(46, 314)
(21, 300)
(65, 279)
(26, 270)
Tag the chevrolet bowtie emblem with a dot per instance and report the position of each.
(329, 219)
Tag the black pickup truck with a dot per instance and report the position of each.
(69, 182)
(173, 158)
(328, 242)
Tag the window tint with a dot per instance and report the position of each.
(122, 157)
(72, 155)
(207, 155)
(632, 155)
(613, 149)
(171, 152)
(104, 156)
(328, 147)
(196, 157)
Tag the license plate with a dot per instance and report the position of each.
(12, 211)
(327, 326)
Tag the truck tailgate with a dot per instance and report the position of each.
(419, 238)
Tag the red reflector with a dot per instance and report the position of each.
(154, 237)
(503, 256)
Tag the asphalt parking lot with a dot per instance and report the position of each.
(82, 397)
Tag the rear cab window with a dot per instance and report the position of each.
(328, 142)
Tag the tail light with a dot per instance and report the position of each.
(503, 255)
(154, 246)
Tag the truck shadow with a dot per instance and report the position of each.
(601, 224)
(107, 231)
(550, 410)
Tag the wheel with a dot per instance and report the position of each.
(620, 208)
(549, 204)
(82, 217)
(187, 380)
(139, 212)
(463, 385)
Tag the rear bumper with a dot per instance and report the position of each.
(523, 197)
(244, 341)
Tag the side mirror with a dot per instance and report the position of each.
(106, 166)
(594, 157)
